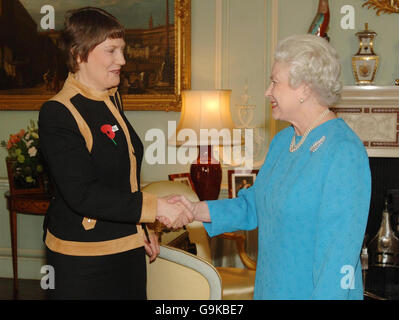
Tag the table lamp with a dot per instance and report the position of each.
(207, 113)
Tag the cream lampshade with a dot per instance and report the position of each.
(207, 114)
(205, 109)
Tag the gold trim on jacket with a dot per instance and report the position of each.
(97, 248)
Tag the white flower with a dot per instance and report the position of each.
(28, 143)
(27, 136)
(32, 151)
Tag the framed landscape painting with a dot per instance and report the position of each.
(158, 51)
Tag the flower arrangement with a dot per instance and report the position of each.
(23, 151)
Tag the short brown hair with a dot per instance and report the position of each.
(85, 28)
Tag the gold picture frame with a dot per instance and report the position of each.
(154, 100)
(383, 6)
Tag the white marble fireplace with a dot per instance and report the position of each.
(373, 113)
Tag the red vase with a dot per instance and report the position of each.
(206, 174)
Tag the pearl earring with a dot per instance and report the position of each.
(301, 100)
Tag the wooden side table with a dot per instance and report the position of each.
(36, 204)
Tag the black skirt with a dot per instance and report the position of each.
(119, 276)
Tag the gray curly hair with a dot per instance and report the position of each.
(315, 62)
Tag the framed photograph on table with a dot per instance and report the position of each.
(240, 179)
(182, 177)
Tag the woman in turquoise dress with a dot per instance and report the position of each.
(310, 201)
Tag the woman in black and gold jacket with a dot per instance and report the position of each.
(93, 230)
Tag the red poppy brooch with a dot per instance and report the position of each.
(109, 131)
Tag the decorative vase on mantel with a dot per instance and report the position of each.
(320, 22)
(365, 62)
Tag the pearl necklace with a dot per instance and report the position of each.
(294, 147)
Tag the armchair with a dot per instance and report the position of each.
(179, 275)
(237, 283)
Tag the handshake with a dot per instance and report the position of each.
(176, 211)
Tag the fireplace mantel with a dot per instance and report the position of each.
(373, 113)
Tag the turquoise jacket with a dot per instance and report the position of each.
(311, 208)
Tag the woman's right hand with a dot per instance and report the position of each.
(199, 209)
(173, 215)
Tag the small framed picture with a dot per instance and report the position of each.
(182, 177)
(240, 179)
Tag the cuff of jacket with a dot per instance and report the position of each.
(149, 208)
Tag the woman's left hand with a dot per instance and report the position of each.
(152, 248)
